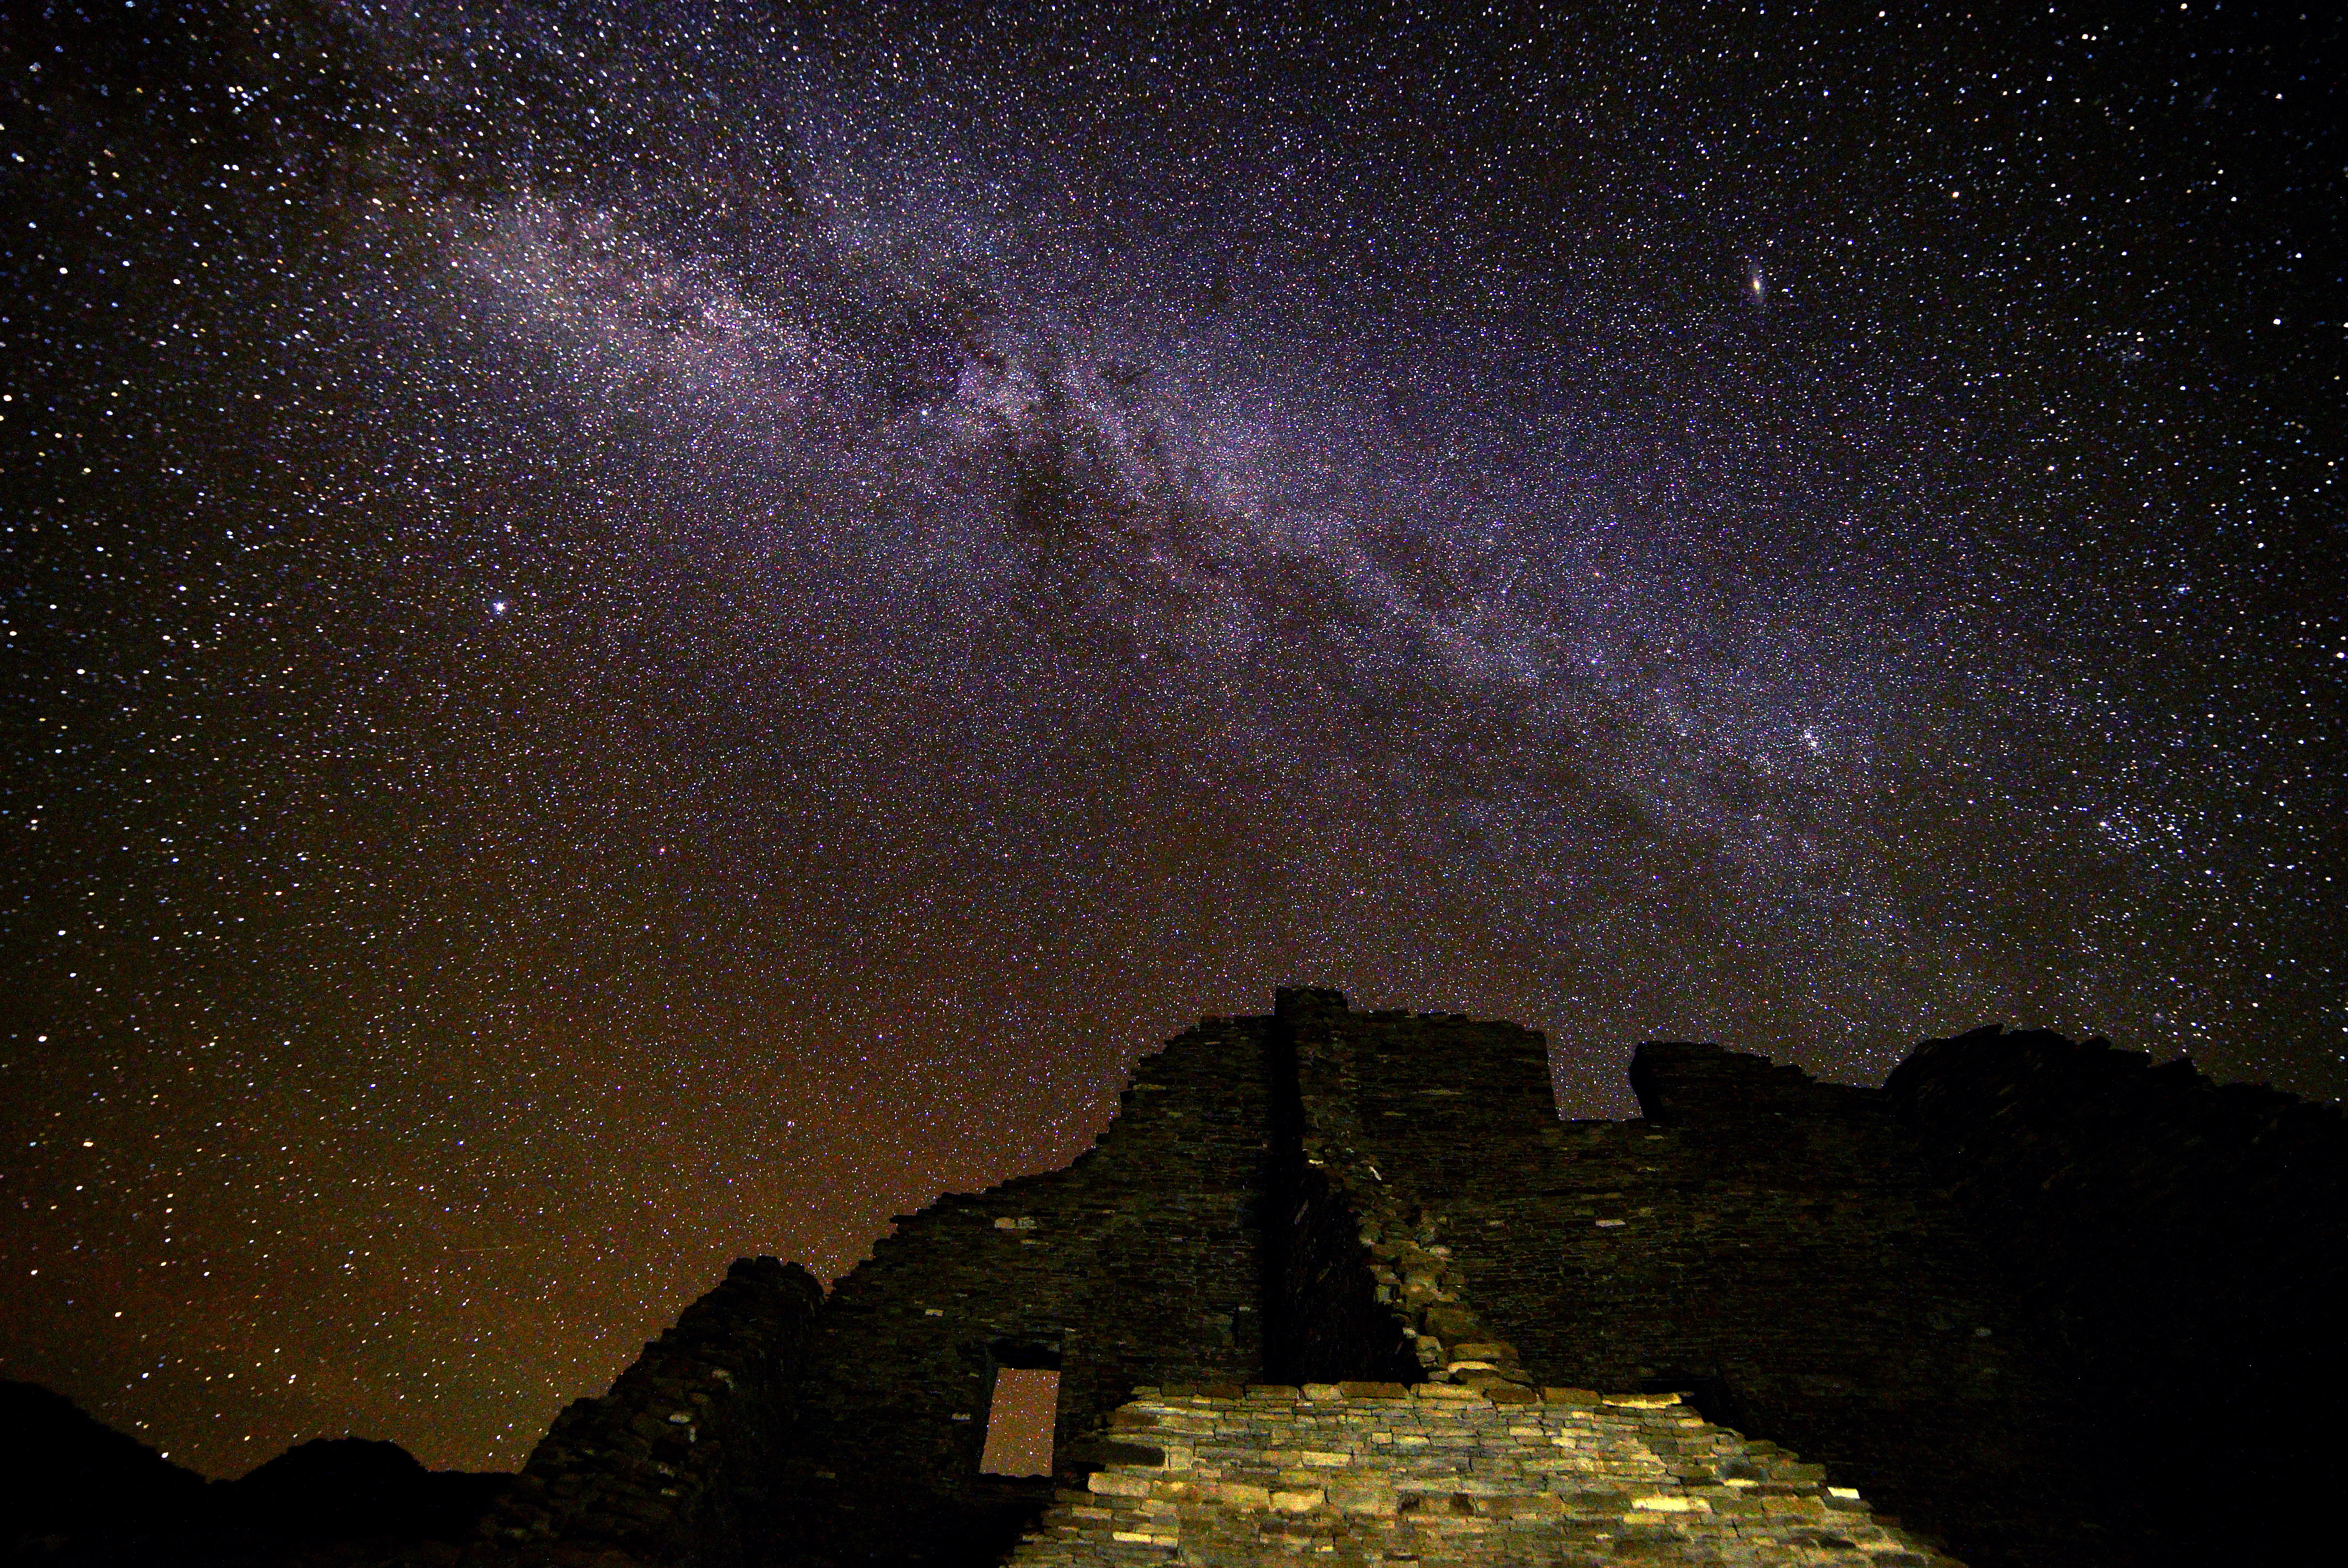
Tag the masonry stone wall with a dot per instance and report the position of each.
(1342, 1232)
(674, 1464)
(2177, 1245)
(1771, 1244)
(1331, 1279)
(1345, 1131)
(1143, 1262)
(1357, 1473)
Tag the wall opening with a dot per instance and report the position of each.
(1019, 1423)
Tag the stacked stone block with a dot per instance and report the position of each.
(1771, 1246)
(2040, 1299)
(1416, 1311)
(2177, 1245)
(1370, 1472)
(1142, 1262)
(665, 1467)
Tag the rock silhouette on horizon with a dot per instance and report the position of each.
(77, 1493)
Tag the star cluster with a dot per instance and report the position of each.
(640, 633)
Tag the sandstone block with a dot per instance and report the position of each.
(1570, 1397)
(1448, 1322)
(1109, 1483)
(1363, 1497)
(1529, 1505)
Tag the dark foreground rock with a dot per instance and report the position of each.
(76, 1494)
(344, 1487)
(63, 1473)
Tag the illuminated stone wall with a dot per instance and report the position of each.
(1360, 1473)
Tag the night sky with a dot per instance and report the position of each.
(642, 632)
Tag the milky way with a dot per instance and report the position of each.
(647, 633)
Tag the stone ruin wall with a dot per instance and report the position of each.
(1354, 1473)
(2177, 1247)
(1141, 1263)
(1774, 1248)
(676, 1463)
(1406, 1129)
(1336, 1225)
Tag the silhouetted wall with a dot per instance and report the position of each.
(677, 1463)
(1143, 1262)
(2177, 1246)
